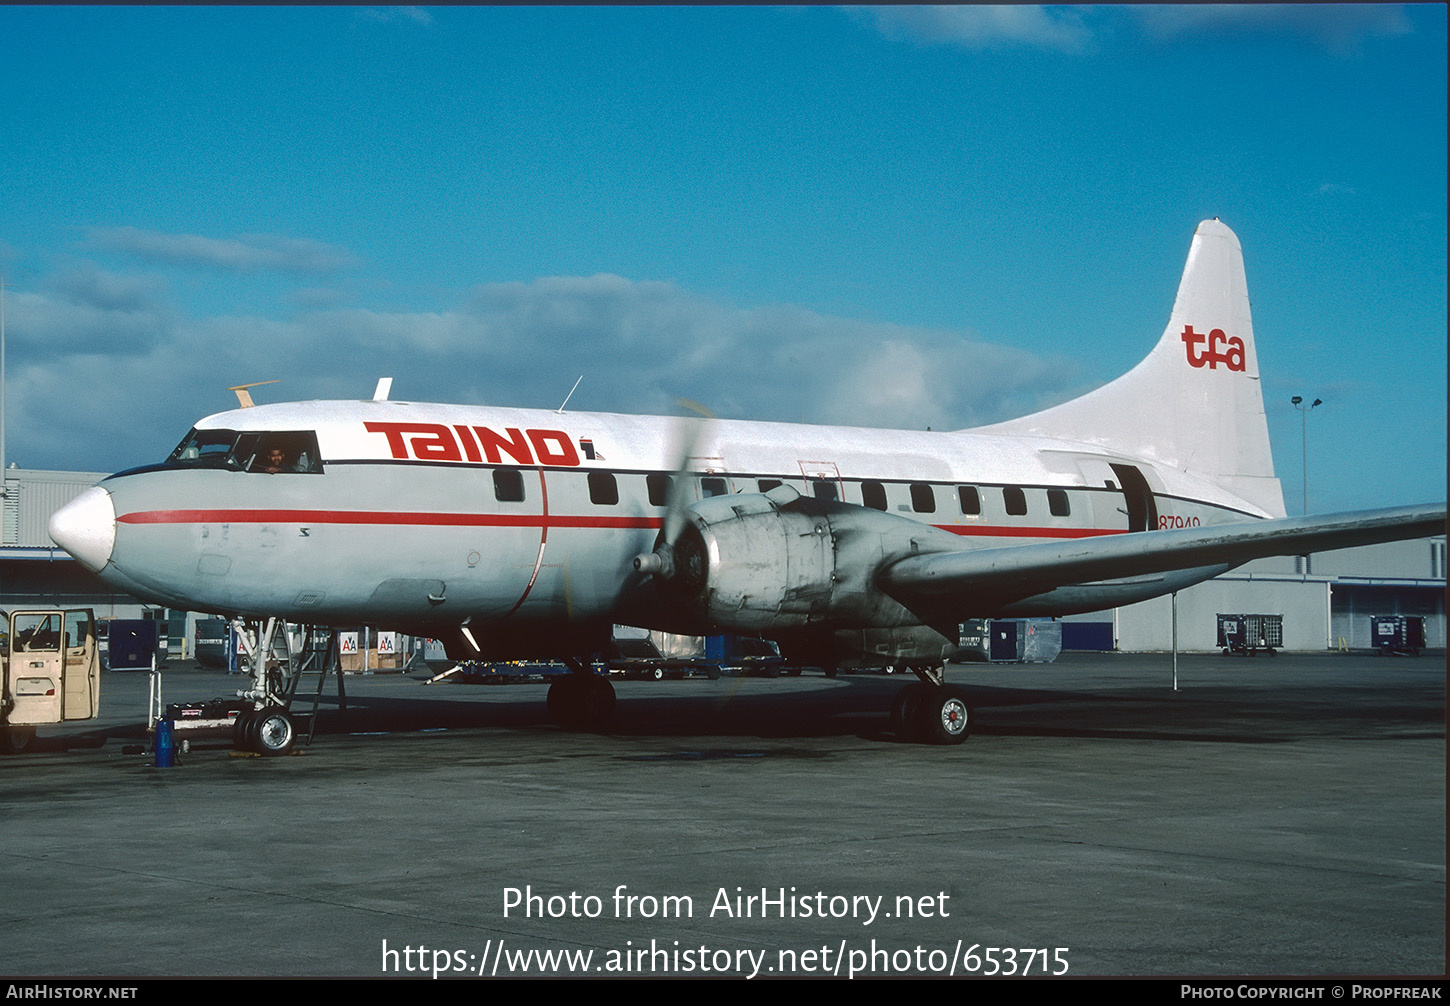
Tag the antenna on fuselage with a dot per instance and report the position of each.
(560, 409)
(384, 388)
(245, 397)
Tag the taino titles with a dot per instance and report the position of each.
(437, 442)
(728, 903)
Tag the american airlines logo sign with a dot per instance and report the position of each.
(1212, 349)
(436, 442)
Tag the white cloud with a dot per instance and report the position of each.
(1340, 28)
(245, 253)
(108, 291)
(975, 26)
(86, 312)
(148, 373)
(384, 15)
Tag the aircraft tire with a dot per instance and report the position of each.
(577, 703)
(943, 716)
(597, 705)
(241, 728)
(273, 732)
(563, 702)
(14, 740)
(829, 672)
(904, 719)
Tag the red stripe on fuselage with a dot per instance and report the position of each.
(380, 517)
(1008, 531)
(393, 518)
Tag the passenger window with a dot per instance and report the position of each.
(712, 487)
(603, 490)
(873, 495)
(659, 489)
(766, 485)
(508, 485)
(1057, 503)
(1015, 499)
(923, 500)
(823, 489)
(970, 500)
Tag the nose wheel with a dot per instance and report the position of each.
(268, 731)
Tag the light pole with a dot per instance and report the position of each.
(2, 387)
(1298, 403)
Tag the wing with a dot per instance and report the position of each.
(985, 581)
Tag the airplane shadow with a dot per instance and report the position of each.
(858, 706)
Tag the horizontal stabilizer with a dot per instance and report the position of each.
(1025, 570)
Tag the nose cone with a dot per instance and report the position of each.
(86, 528)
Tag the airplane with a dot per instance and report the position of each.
(516, 533)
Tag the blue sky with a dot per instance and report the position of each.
(901, 217)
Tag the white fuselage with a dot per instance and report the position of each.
(417, 514)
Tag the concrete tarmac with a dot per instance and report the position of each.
(1272, 817)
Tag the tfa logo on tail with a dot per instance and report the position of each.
(1232, 356)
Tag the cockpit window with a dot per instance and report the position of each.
(270, 453)
(204, 449)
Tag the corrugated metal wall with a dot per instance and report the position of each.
(31, 497)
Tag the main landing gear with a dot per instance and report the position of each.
(582, 700)
(930, 710)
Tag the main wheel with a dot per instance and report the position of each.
(273, 732)
(563, 702)
(579, 703)
(903, 711)
(598, 703)
(943, 716)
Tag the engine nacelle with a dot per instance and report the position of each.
(771, 562)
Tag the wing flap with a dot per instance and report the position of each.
(1026, 570)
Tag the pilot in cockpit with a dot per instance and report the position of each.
(274, 459)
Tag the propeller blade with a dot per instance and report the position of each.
(689, 432)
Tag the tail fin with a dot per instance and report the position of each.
(1194, 402)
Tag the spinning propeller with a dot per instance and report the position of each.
(661, 561)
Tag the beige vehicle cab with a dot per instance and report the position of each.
(49, 670)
